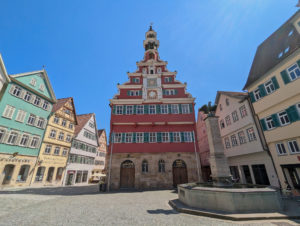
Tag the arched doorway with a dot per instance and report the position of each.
(8, 171)
(179, 172)
(127, 174)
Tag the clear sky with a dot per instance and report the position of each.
(88, 46)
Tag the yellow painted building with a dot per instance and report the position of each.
(53, 156)
(274, 88)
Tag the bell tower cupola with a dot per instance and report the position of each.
(151, 42)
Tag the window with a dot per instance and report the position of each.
(78, 177)
(34, 142)
(251, 134)
(31, 119)
(139, 137)
(227, 143)
(45, 105)
(42, 87)
(128, 138)
(12, 138)
(24, 140)
(235, 116)
(8, 112)
(165, 137)
(269, 86)
(65, 151)
(161, 166)
(222, 124)
(68, 138)
(145, 166)
(174, 109)
(27, 96)
(152, 109)
(59, 173)
(242, 137)
(61, 136)
(270, 123)
(37, 101)
(117, 137)
(185, 109)
(56, 150)
(164, 109)
(41, 123)
(257, 94)
(234, 141)
(48, 149)
(71, 126)
(187, 136)
(228, 121)
(159, 70)
(134, 93)
(170, 92)
(293, 146)
(176, 137)
(64, 123)
(23, 173)
(2, 133)
(52, 134)
(243, 111)
(40, 174)
(56, 120)
(152, 137)
(168, 79)
(129, 110)
(33, 82)
(17, 91)
(227, 102)
(136, 80)
(283, 118)
(67, 111)
(21, 116)
(294, 72)
(280, 149)
(298, 107)
(140, 109)
(119, 109)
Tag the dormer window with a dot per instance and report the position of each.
(286, 49)
(33, 82)
(151, 71)
(291, 32)
(42, 87)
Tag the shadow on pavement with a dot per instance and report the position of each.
(162, 211)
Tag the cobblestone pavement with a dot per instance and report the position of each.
(85, 206)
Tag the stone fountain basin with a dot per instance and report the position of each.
(230, 200)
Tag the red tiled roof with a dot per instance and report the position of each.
(60, 103)
(81, 121)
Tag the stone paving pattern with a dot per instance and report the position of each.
(86, 206)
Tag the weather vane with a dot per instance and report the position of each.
(151, 26)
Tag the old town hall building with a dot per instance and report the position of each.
(152, 127)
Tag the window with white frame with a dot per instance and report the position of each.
(227, 101)
(298, 107)
(167, 79)
(64, 123)
(227, 142)
(45, 105)
(17, 91)
(42, 87)
(2, 133)
(24, 140)
(139, 137)
(134, 93)
(283, 118)
(187, 136)
(119, 109)
(117, 137)
(12, 137)
(235, 116)
(71, 126)
(294, 72)
(65, 151)
(242, 137)
(281, 149)
(152, 109)
(152, 137)
(27, 96)
(31, 119)
(174, 109)
(293, 146)
(33, 82)
(61, 136)
(165, 137)
(228, 121)
(269, 86)
(52, 134)
(56, 150)
(136, 80)
(41, 123)
(243, 111)
(176, 137)
(222, 124)
(128, 138)
(234, 141)
(164, 109)
(68, 138)
(140, 109)
(20, 116)
(185, 108)
(56, 120)
(257, 94)
(169, 92)
(159, 70)
(47, 149)
(251, 134)
(34, 142)
(37, 101)
(270, 123)
(129, 109)
(8, 111)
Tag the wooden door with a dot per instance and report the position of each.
(179, 173)
(127, 175)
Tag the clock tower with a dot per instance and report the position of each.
(152, 135)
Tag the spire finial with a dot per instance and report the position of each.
(298, 5)
(150, 28)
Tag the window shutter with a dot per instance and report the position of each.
(114, 109)
(123, 137)
(298, 62)
(171, 137)
(293, 113)
(171, 79)
(45, 124)
(22, 93)
(252, 98)
(32, 98)
(36, 120)
(111, 138)
(263, 124)
(140, 92)
(191, 108)
(146, 109)
(11, 89)
(158, 137)
(18, 139)
(276, 120)
(164, 92)
(133, 137)
(29, 141)
(262, 90)
(157, 109)
(134, 109)
(128, 92)
(180, 110)
(274, 80)
(146, 137)
(124, 109)
(176, 91)
(182, 136)
(169, 108)
(133, 80)
(285, 77)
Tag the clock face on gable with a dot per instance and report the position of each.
(152, 94)
(152, 82)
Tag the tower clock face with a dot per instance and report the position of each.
(152, 94)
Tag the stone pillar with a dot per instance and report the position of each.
(218, 162)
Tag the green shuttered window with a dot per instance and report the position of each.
(293, 113)
(263, 124)
(285, 77)
(262, 90)
(275, 82)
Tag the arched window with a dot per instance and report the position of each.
(161, 166)
(145, 166)
(227, 102)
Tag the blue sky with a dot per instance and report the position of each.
(88, 46)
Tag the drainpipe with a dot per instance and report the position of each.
(197, 157)
(109, 170)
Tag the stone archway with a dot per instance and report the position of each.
(127, 174)
(180, 175)
(8, 172)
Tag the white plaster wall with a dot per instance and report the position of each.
(2, 78)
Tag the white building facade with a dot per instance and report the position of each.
(248, 157)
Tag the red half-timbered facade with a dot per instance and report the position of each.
(152, 127)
